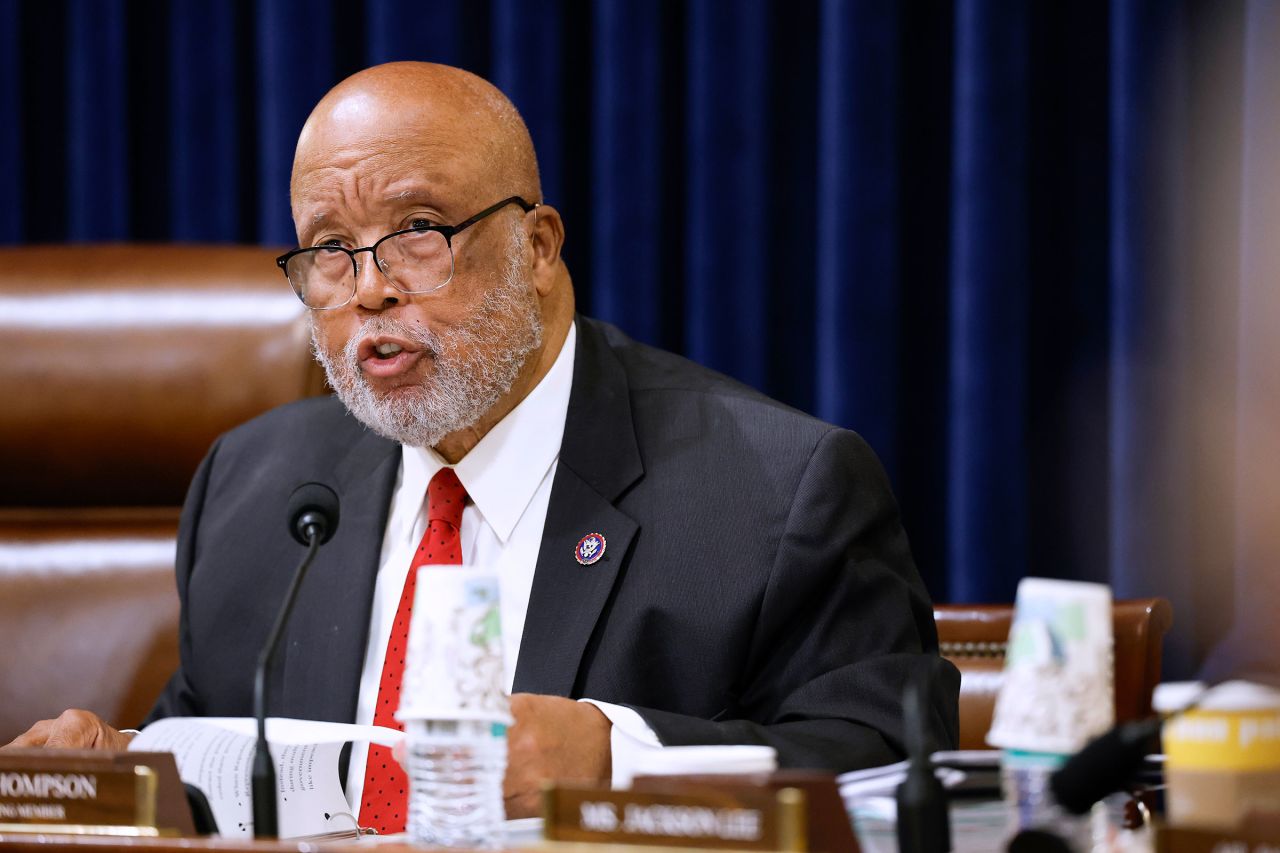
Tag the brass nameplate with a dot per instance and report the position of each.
(87, 792)
(743, 819)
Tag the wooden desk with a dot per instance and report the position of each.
(24, 843)
(19, 843)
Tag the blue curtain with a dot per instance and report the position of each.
(1029, 250)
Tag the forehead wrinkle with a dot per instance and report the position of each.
(420, 143)
(440, 171)
(334, 188)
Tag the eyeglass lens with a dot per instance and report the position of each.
(415, 262)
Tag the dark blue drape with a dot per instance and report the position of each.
(1029, 250)
(989, 275)
(1149, 317)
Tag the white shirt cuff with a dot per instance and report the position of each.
(629, 738)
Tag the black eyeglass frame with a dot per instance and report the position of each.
(447, 231)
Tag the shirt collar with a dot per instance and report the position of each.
(503, 471)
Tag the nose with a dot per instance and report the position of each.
(374, 291)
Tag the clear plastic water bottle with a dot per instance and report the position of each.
(1024, 778)
(455, 771)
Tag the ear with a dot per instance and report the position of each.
(547, 236)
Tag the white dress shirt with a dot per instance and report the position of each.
(508, 477)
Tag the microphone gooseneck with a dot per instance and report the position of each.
(313, 518)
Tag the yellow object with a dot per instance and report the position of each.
(1224, 740)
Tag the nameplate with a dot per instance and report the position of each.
(749, 819)
(827, 826)
(89, 792)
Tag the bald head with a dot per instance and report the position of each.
(458, 125)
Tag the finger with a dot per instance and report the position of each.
(115, 739)
(32, 737)
(521, 703)
(76, 729)
(524, 804)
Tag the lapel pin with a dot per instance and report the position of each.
(590, 549)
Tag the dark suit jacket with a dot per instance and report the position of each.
(757, 586)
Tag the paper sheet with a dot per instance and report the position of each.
(215, 754)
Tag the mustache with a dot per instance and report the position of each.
(381, 324)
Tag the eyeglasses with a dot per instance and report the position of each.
(415, 260)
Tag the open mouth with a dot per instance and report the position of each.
(387, 357)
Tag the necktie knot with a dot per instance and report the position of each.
(446, 497)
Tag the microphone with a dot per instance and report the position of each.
(1104, 765)
(313, 505)
(923, 823)
(313, 518)
(1110, 760)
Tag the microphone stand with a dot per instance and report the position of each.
(923, 823)
(265, 818)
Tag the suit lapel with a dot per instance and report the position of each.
(328, 631)
(599, 460)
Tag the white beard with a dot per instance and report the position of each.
(475, 363)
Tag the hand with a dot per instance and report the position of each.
(552, 739)
(72, 730)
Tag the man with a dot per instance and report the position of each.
(701, 563)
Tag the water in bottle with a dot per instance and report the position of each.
(455, 771)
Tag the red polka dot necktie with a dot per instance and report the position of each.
(385, 800)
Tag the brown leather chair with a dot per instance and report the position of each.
(119, 365)
(974, 637)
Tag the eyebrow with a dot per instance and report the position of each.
(318, 218)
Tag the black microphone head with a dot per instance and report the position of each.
(1104, 766)
(313, 505)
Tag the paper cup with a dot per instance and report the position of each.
(1057, 690)
(454, 663)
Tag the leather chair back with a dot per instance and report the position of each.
(974, 638)
(119, 366)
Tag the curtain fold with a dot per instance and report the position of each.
(205, 163)
(1028, 250)
(438, 31)
(987, 471)
(98, 202)
(11, 69)
(528, 65)
(1151, 496)
(633, 225)
(731, 221)
(857, 309)
(294, 68)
